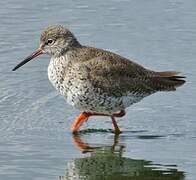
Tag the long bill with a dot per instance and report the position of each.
(27, 59)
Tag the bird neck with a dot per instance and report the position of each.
(69, 46)
(73, 43)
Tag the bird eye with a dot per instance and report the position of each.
(50, 41)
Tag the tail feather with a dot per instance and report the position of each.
(167, 80)
(167, 73)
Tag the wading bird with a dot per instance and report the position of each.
(95, 81)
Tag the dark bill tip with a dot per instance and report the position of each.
(27, 59)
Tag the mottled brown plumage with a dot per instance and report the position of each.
(117, 75)
(96, 81)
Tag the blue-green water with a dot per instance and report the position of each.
(159, 133)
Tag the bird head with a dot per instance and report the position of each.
(55, 41)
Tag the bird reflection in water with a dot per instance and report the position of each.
(107, 163)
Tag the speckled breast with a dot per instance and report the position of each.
(56, 74)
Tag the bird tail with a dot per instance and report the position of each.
(167, 81)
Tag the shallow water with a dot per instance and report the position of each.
(159, 133)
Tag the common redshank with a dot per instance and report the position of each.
(96, 81)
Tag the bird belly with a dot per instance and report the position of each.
(93, 100)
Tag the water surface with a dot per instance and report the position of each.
(159, 133)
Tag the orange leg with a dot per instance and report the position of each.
(79, 121)
(85, 115)
(119, 114)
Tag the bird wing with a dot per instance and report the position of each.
(117, 76)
